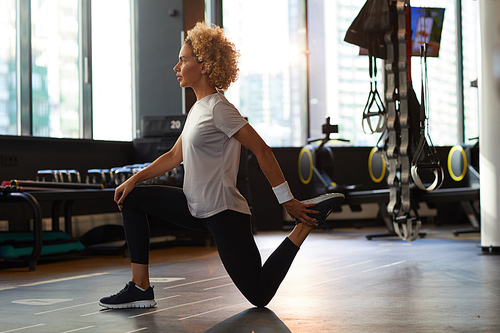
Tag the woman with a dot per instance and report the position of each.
(209, 147)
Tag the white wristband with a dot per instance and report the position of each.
(283, 193)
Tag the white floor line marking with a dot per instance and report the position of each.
(203, 313)
(164, 298)
(7, 288)
(60, 280)
(22, 328)
(68, 307)
(186, 284)
(41, 301)
(137, 330)
(94, 313)
(165, 280)
(393, 264)
(324, 263)
(78, 329)
(175, 306)
(351, 265)
(327, 281)
(224, 285)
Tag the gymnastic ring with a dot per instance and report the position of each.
(370, 166)
(450, 160)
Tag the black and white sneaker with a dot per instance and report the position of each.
(324, 204)
(130, 297)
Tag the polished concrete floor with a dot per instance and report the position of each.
(340, 282)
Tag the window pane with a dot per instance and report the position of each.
(55, 71)
(339, 80)
(111, 70)
(442, 108)
(269, 90)
(8, 87)
(470, 46)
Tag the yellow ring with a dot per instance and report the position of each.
(450, 170)
(370, 158)
(306, 181)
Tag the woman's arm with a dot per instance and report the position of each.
(161, 165)
(249, 138)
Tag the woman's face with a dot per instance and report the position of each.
(188, 70)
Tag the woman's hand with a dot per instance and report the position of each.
(299, 210)
(122, 191)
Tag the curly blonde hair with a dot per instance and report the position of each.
(220, 55)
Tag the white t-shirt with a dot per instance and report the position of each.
(211, 157)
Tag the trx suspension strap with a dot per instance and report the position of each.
(374, 98)
(425, 149)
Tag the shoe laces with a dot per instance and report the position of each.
(123, 291)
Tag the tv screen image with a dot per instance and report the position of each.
(426, 26)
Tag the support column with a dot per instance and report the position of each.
(489, 124)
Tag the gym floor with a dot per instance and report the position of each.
(339, 282)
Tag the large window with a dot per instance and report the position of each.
(78, 82)
(339, 80)
(46, 95)
(111, 70)
(55, 73)
(270, 90)
(443, 97)
(8, 86)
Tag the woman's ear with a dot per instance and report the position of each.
(203, 68)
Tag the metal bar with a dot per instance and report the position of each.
(54, 185)
(460, 73)
(56, 205)
(86, 131)
(24, 93)
(68, 227)
(31, 260)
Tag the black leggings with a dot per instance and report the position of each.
(231, 231)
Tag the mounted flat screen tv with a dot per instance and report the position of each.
(427, 27)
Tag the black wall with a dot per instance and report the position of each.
(34, 153)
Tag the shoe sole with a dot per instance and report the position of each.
(137, 304)
(323, 203)
(335, 197)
